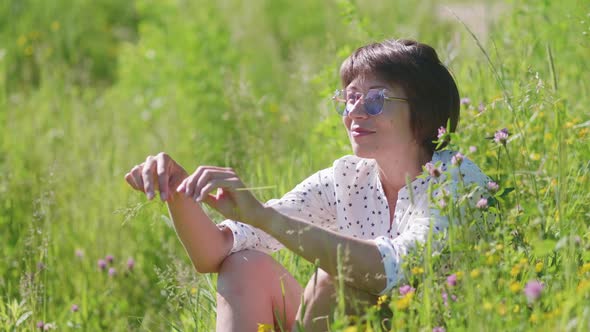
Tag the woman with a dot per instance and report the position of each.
(396, 96)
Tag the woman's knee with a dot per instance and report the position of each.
(247, 266)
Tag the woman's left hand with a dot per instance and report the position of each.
(231, 198)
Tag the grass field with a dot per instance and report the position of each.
(90, 88)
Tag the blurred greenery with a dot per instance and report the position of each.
(90, 88)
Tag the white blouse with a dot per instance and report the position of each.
(348, 198)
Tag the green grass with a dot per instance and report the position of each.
(90, 88)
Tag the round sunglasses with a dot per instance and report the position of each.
(373, 101)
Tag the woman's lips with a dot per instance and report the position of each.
(358, 132)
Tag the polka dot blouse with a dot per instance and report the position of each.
(348, 198)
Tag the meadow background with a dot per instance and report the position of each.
(90, 88)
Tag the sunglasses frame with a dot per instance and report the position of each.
(338, 100)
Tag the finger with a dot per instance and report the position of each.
(136, 175)
(163, 176)
(207, 176)
(130, 181)
(147, 175)
(181, 187)
(192, 181)
(219, 183)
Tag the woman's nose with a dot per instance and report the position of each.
(357, 110)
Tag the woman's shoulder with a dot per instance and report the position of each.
(353, 162)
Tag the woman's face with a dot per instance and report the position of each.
(387, 134)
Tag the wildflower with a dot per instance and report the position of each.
(130, 264)
(465, 101)
(445, 298)
(482, 204)
(481, 107)
(487, 306)
(442, 203)
(475, 273)
(502, 309)
(79, 253)
(534, 318)
(585, 268)
(439, 329)
(49, 326)
(472, 149)
(501, 136)
(417, 270)
(533, 290)
(405, 289)
(516, 309)
(110, 259)
(539, 267)
(459, 275)
(380, 300)
(441, 132)
(515, 270)
(102, 264)
(264, 327)
(112, 272)
(493, 187)
(404, 302)
(40, 325)
(433, 170)
(514, 286)
(457, 159)
(452, 280)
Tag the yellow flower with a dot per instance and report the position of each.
(548, 136)
(492, 259)
(351, 329)
(265, 327)
(515, 270)
(534, 318)
(515, 287)
(539, 267)
(499, 246)
(459, 275)
(21, 41)
(417, 270)
(585, 268)
(487, 306)
(583, 286)
(194, 290)
(475, 273)
(501, 309)
(523, 261)
(516, 309)
(382, 299)
(404, 302)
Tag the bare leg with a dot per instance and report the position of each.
(249, 292)
(319, 298)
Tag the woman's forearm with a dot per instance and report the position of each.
(204, 242)
(316, 243)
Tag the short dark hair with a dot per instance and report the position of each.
(432, 92)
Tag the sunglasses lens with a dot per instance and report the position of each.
(374, 102)
(339, 101)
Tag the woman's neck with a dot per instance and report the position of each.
(394, 169)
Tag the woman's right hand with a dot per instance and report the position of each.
(159, 172)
